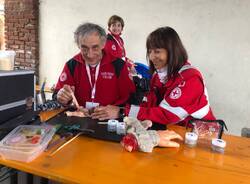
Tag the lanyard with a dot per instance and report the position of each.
(119, 43)
(93, 86)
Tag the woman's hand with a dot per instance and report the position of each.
(84, 111)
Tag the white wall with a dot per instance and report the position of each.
(215, 33)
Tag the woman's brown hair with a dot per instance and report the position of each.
(167, 38)
(115, 18)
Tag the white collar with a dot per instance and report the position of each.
(162, 74)
(93, 66)
(161, 70)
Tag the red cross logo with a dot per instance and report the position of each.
(175, 93)
(63, 77)
(113, 47)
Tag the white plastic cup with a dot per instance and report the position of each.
(218, 145)
(121, 128)
(191, 139)
(7, 58)
(112, 123)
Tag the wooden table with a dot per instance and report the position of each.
(88, 160)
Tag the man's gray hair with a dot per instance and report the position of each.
(88, 28)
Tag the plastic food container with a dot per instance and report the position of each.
(112, 123)
(191, 139)
(7, 58)
(218, 145)
(26, 142)
(121, 128)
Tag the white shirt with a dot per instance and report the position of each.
(162, 74)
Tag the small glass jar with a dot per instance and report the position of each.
(218, 145)
(112, 124)
(191, 139)
(121, 128)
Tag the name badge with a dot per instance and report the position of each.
(91, 105)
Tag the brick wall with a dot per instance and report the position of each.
(21, 32)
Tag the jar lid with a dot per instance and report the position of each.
(121, 124)
(113, 121)
(219, 142)
(191, 136)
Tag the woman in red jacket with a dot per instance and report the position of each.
(177, 90)
(115, 44)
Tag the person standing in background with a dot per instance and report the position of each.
(115, 44)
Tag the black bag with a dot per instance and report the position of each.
(142, 86)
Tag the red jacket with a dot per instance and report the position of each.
(110, 89)
(115, 46)
(179, 99)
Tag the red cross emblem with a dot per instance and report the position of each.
(63, 77)
(175, 93)
(113, 47)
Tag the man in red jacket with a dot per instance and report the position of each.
(93, 76)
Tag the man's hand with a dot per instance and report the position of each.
(166, 136)
(106, 112)
(84, 111)
(64, 95)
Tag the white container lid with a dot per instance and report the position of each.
(121, 124)
(6, 53)
(219, 143)
(191, 136)
(112, 122)
(112, 125)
